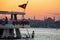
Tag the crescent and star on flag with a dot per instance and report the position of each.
(24, 5)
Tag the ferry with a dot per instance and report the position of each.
(9, 28)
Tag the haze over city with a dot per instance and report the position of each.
(37, 8)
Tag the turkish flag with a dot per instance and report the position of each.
(23, 6)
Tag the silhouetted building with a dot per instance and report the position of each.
(46, 23)
(49, 22)
(57, 24)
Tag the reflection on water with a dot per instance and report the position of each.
(41, 34)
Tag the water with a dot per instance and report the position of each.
(41, 33)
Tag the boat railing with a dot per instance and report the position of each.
(14, 22)
(3, 22)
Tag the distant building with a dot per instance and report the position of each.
(46, 23)
(36, 23)
(49, 22)
(57, 24)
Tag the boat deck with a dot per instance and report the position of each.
(9, 26)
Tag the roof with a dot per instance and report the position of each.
(6, 12)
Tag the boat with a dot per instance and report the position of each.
(10, 28)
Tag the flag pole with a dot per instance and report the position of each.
(25, 9)
(26, 5)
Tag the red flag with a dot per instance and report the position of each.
(23, 6)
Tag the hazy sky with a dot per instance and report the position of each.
(37, 8)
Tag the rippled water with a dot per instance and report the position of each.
(41, 33)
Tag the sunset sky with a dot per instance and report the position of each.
(37, 8)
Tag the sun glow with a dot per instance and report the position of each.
(38, 8)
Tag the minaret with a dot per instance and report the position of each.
(34, 17)
(54, 18)
(45, 17)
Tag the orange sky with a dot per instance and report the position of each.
(37, 8)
